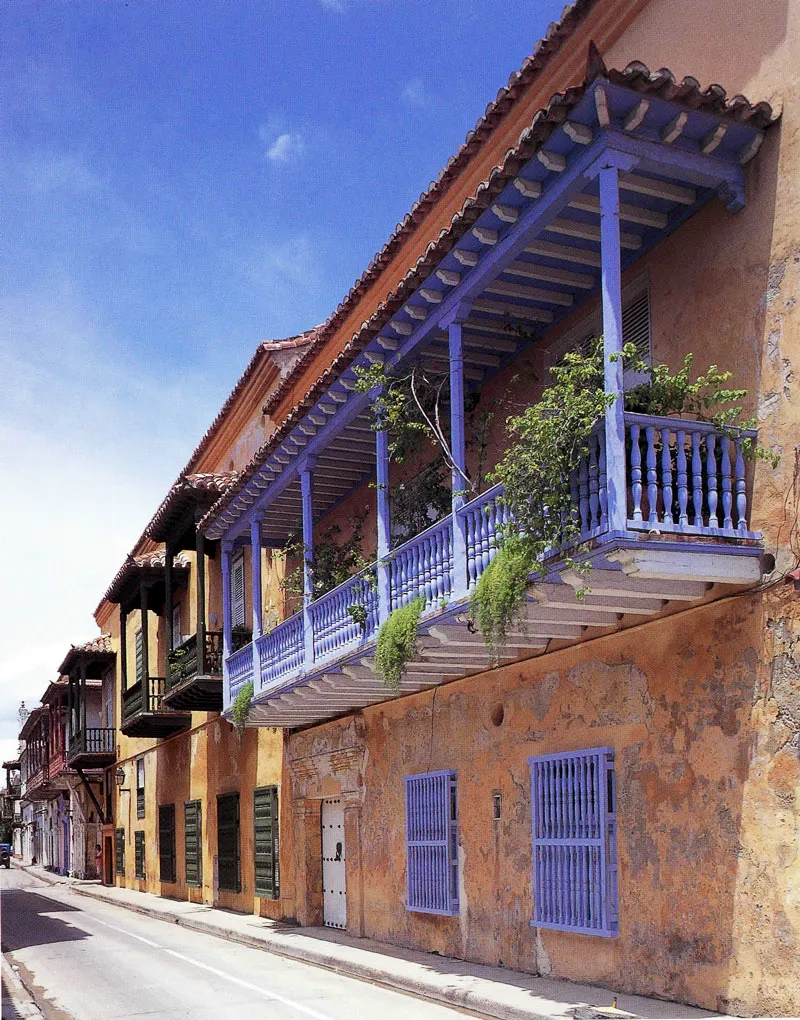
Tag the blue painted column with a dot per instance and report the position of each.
(306, 489)
(458, 451)
(384, 524)
(227, 549)
(608, 179)
(255, 572)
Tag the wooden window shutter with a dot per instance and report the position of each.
(140, 788)
(177, 637)
(193, 843)
(265, 842)
(432, 843)
(166, 842)
(228, 847)
(139, 862)
(237, 592)
(119, 847)
(139, 656)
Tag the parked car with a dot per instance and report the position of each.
(5, 855)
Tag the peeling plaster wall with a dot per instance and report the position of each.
(682, 702)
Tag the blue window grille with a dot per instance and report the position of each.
(575, 842)
(432, 842)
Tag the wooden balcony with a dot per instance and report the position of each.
(686, 528)
(144, 713)
(92, 748)
(194, 676)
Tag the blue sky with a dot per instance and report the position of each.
(183, 178)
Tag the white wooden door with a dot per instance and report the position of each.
(333, 865)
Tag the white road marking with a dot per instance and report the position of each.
(306, 1010)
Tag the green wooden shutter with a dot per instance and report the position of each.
(193, 843)
(237, 592)
(228, 841)
(139, 656)
(139, 853)
(166, 842)
(119, 846)
(265, 841)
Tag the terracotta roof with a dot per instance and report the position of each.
(188, 491)
(11, 764)
(145, 561)
(99, 646)
(636, 76)
(34, 716)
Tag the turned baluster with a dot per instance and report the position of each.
(636, 473)
(594, 499)
(583, 484)
(666, 475)
(697, 481)
(711, 479)
(727, 499)
(741, 492)
(603, 485)
(682, 479)
(652, 476)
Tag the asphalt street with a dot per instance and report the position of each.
(89, 960)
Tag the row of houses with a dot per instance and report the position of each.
(612, 796)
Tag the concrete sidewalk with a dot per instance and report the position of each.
(491, 991)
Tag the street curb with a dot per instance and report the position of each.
(21, 999)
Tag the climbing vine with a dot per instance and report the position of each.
(397, 642)
(335, 559)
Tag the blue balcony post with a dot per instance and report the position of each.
(384, 524)
(458, 449)
(255, 572)
(227, 549)
(611, 273)
(306, 489)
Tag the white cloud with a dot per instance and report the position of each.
(416, 94)
(285, 147)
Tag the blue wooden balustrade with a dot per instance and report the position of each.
(681, 477)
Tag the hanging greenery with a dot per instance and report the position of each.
(240, 709)
(547, 443)
(397, 642)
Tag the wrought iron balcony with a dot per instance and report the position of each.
(686, 525)
(144, 713)
(94, 747)
(194, 676)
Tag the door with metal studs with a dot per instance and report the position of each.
(333, 865)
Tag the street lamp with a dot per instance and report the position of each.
(119, 776)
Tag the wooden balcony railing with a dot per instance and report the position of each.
(682, 478)
(93, 740)
(185, 663)
(133, 701)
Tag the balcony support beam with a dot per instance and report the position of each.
(307, 496)
(82, 695)
(384, 523)
(611, 282)
(458, 448)
(145, 646)
(200, 568)
(123, 648)
(227, 549)
(255, 577)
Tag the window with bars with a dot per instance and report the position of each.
(138, 845)
(193, 843)
(139, 642)
(119, 851)
(166, 843)
(635, 330)
(575, 841)
(432, 842)
(237, 591)
(265, 841)
(140, 798)
(228, 844)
